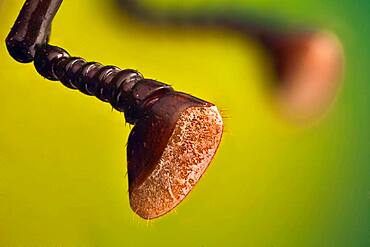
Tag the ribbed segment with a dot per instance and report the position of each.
(126, 90)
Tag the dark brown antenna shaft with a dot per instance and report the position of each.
(31, 29)
(161, 173)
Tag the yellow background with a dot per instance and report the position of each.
(272, 183)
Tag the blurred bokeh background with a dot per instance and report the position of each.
(274, 182)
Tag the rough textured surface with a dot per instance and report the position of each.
(190, 149)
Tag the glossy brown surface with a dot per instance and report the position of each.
(159, 113)
(32, 28)
(185, 158)
(126, 90)
(151, 133)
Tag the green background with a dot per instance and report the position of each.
(272, 183)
